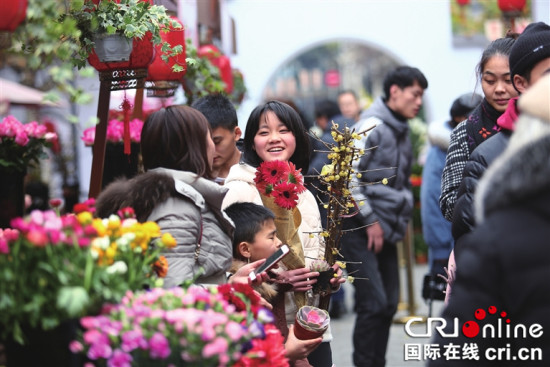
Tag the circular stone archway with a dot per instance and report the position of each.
(322, 71)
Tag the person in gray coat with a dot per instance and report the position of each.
(178, 193)
(385, 189)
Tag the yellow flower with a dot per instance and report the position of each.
(311, 235)
(359, 175)
(99, 227)
(361, 203)
(110, 252)
(84, 217)
(341, 264)
(168, 240)
(113, 222)
(384, 181)
(350, 279)
(327, 169)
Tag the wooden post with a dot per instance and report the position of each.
(98, 159)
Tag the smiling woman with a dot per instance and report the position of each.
(274, 132)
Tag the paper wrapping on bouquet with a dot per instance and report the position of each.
(311, 322)
(287, 223)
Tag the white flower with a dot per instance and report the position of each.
(101, 242)
(119, 267)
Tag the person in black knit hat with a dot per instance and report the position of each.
(531, 50)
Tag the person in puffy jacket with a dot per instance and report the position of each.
(178, 193)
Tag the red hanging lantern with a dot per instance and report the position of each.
(511, 5)
(463, 2)
(162, 80)
(12, 14)
(222, 62)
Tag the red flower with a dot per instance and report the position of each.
(126, 212)
(295, 177)
(267, 352)
(286, 195)
(80, 207)
(55, 203)
(281, 180)
(273, 172)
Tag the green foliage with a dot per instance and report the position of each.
(133, 18)
(48, 41)
(55, 268)
(202, 77)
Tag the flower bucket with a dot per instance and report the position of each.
(45, 348)
(12, 195)
(117, 164)
(113, 47)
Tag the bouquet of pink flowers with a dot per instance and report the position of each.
(54, 268)
(115, 132)
(21, 144)
(190, 326)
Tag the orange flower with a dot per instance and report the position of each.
(161, 267)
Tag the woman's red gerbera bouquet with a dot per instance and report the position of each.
(280, 180)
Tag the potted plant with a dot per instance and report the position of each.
(101, 20)
(118, 164)
(59, 268)
(21, 145)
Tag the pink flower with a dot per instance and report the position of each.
(115, 132)
(120, 359)
(234, 331)
(216, 347)
(88, 136)
(133, 339)
(100, 350)
(10, 234)
(95, 337)
(37, 237)
(21, 138)
(159, 346)
(76, 346)
(4, 248)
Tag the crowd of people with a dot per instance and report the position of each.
(483, 198)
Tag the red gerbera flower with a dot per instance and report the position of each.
(273, 172)
(295, 177)
(286, 195)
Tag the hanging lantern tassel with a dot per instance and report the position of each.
(126, 110)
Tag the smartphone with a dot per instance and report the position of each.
(270, 262)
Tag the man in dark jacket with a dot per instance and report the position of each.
(384, 188)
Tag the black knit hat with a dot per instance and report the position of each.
(532, 46)
(463, 105)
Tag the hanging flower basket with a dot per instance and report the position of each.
(112, 47)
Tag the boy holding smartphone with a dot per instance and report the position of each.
(255, 238)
